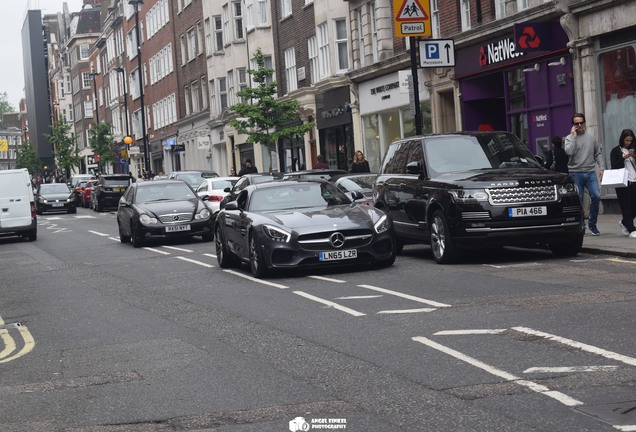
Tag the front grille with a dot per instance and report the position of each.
(320, 241)
(571, 209)
(522, 195)
(170, 218)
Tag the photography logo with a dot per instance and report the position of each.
(298, 424)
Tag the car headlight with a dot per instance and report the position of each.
(468, 196)
(203, 214)
(567, 189)
(382, 224)
(276, 234)
(45, 201)
(147, 220)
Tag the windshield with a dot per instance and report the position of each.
(357, 182)
(193, 179)
(54, 188)
(297, 196)
(166, 192)
(222, 184)
(446, 154)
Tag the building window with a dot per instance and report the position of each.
(204, 93)
(209, 48)
(323, 50)
(360, 35)
(465, 14)
(238, 20)
(522, 5)
(218, 33)
(290, 69)
(186, 98)
(312, 50)
(88, 109)
(86, 80)
(192, 50)
(184, 50)
(194, 93)
(230, 88)
(500, 9)
(268, 65)
(249, 14)
(222, 93)
(226, 24)
(342, 45)
(213, 107)
(261, 12)
(199, 39)
(435, 25)
(84, 48)
(286, 8)
(241, 73)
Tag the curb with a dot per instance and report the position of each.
(600, 251)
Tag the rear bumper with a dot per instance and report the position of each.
(20, 229)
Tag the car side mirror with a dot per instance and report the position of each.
(227, 189)
(232, 205)
(540, 160)
(123, 202)
(414, 168)
(356, 195)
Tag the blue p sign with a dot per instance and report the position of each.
(432, 51)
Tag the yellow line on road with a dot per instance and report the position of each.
(29, 343)
(9, 343)
(621, 260)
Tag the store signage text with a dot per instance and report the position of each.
(333, 112)
(497, 52)
(540, 119)
(385, 87)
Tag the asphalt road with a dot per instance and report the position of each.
(96, 335)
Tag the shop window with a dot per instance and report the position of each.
(618, 76)
(516, 89)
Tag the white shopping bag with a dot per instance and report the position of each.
(615, 178)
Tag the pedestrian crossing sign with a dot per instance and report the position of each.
(411, 10)
(412, 18)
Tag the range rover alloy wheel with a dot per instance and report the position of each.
(442, 245)
(225, 258)
(257, 263)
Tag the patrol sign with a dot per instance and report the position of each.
(437, 53)
(412, 18)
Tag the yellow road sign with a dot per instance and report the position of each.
(4, 145)
(412, 18)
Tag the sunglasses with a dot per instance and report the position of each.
(579, 124)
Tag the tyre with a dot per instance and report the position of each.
(442, 245)
(136, 237)
(32, 235)
(72, 210)
(224, 257)
(208, 237)
(123, 237)
(257, 262)
(99, 207)
(567, 249)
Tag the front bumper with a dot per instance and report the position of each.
(158, 231)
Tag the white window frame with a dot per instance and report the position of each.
(262, 13)
(435, 23)
(323, 50)
(237, 15)
(312, 53)
(226, 24)
(194, 94)
(500, 9)
(222, 93)
(285, 8)
(341, 43)
(84, 50)
(290, 69)
(231, 97)
(522, 5)
(191, 39)
(209, 48)
(219, 41)
(465, 14)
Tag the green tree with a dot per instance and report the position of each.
(27, 158)
(5, 106)
(262, 117)
(65, 151)
(100, 140)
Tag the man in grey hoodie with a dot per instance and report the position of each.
(584, 151)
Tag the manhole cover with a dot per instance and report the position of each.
(618, 414)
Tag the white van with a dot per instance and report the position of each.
(17, 206)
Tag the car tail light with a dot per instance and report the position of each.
(33, 212)
(215, 198)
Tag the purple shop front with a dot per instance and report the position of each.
(524, 87)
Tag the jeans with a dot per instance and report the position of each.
(589, 180)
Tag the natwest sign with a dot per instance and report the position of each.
(497, 52)
(505, 50)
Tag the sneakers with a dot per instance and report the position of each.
(632, 234)
(594, 231)
(624, 230)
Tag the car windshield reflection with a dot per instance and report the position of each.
(297, 197)
(157, 193)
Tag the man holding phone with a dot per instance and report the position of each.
(584, 151)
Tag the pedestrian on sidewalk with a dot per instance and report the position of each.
(557, 158)
(584, 150)
(622, 156)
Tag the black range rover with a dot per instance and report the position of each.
(472, 190)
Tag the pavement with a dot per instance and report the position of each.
(611, 240)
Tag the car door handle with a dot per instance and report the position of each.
(402, 186)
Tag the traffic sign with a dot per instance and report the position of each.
(412, 18)
(437, 53)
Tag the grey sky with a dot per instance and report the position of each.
(11, 20)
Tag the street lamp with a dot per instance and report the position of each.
(96, 109)
(144, 135)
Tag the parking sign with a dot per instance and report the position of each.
(437, 53)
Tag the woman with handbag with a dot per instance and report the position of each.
(622, 156)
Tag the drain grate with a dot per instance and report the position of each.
(617, 414)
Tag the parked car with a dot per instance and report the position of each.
(18, 214)
(108, 189)
(192, 177)
(361, 182)
(325, 174)
(55, 197)
(215, 189)
(77, 178)
(305, 223)
(85, 196)
(162, 209)
(474, 190)
(244, 181)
